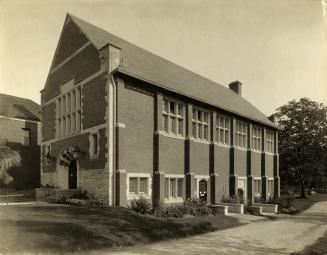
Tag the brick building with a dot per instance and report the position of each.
(20, 130)
(121, 122)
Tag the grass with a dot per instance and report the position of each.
(61, 228)
(302, 204)
(319, 247)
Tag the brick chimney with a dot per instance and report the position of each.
(236, 86)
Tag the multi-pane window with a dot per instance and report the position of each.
(26, 137)
(173, 117)
(143, 185)
(139, 185)
(173, 187)
(257, 187)
(256, 138)
(133, 185)
(241, 134)
(200, 124)
(270, 187)
(172, 190)
(222, 129)
(270, 141)
(68, 108)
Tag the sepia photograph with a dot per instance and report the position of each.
(179, 127)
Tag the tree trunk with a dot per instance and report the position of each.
(302, 189)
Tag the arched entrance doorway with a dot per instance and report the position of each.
(67, 168)
(203, 190)
(72, 175)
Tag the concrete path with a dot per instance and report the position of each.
(282, 236)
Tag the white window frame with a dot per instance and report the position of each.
(200, 124)
(176, 116)
(270, 141)
(256, 138)
(257, 190)
(93, 154)
(69, 110)
(199, 178)
(270, 180)
(28, 131)
(137, 195)
(241, 134)
(175, 198)
(223, 124)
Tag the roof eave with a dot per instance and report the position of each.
(123, 71)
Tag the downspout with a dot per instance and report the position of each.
(114, 140)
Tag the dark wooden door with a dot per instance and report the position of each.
(72, 175)
(203, 191)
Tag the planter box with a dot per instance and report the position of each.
(220, 209)
(269, 208)
(256, 209)
(234, 208)
(52, 195)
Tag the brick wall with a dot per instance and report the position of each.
(240, 162)
(83, 143)
(199, 158)
(136, 111)
(221, 166)
(255, 164)
(94, 102)
(48, 121)
(96, 182)
(71, 40)
(171, 155)
(269, 165)
(28, 174)
(83, 65)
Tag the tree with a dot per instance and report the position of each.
(8, 159)
(303, 142)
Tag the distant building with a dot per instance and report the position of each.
(121, 122)
(20, 130)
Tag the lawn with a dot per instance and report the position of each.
(302, 204)
(60, 228)
(318, 248)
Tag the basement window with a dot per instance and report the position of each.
(173, 188)
(138, 186)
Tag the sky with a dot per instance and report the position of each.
(276, 48)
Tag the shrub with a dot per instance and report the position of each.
(141, 205)
(81, 195)
(284, 202)
(47, 186)
(170, 211)
(196, 208)
(233, 200)
(88, 203)
(61, 200)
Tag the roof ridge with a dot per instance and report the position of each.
(23, 98)
(165, 72)
(135, 45)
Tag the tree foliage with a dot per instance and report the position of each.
(303, 141)
(8, 159)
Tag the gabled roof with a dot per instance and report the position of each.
(151, 68)
(18, 107)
